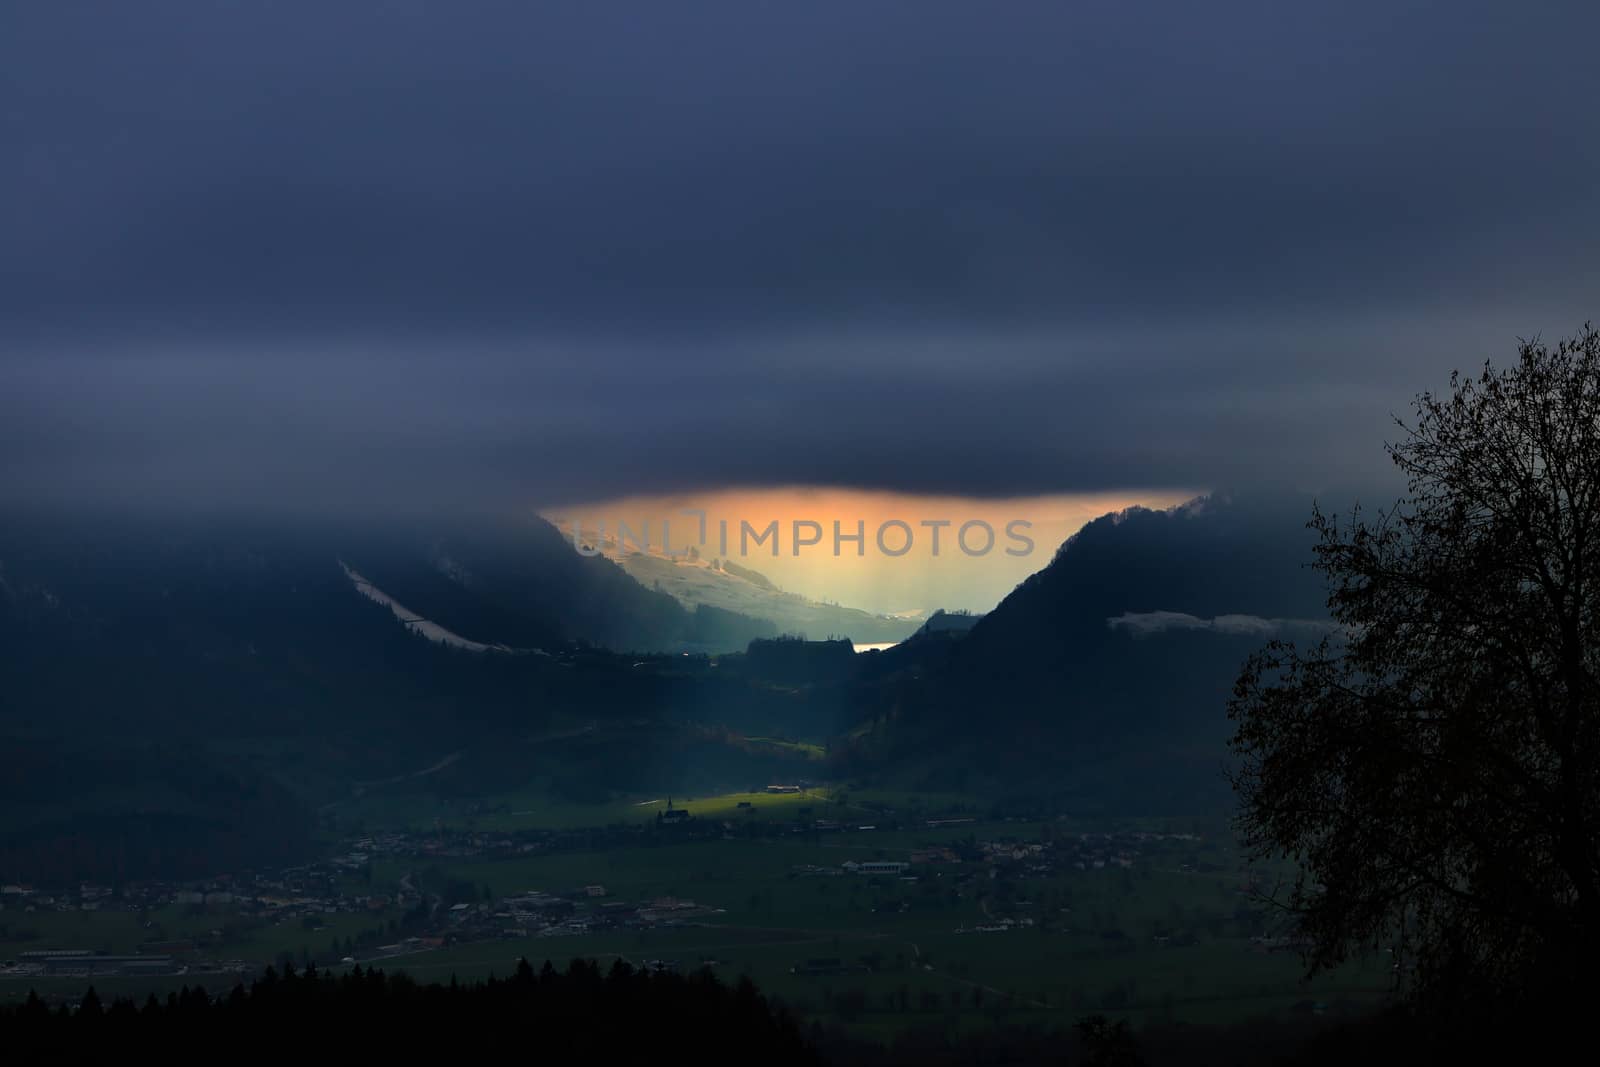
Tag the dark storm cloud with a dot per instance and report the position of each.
(479, 253)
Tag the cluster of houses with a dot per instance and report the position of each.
(153, 959)
(997, 926)
(581, 911)
(894, 868)
(533, 913)
(311, 889)
(1080, 852)
(1083, 852)
(85, 897)
(86, 963)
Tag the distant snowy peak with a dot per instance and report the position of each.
(695, 581)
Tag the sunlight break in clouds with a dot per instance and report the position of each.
(860, 574)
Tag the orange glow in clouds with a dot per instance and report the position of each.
(892, 568)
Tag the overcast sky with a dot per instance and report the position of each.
(402, 255)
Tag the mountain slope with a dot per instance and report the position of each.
(1104, 677)
(520, 583)
(176, 696)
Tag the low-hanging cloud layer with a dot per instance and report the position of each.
(444, 256)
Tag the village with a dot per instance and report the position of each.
(352, 917)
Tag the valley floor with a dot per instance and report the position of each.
(853, 908)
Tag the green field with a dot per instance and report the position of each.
(534, 809)
(803, 748)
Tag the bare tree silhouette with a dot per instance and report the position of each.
(1434, 767)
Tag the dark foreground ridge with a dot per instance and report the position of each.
(628, 1015)
(582, 1014)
